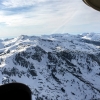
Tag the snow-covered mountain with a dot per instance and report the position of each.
(55, 67)
(91, 36)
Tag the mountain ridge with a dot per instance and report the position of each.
(53, 66)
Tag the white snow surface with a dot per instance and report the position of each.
(80, 81)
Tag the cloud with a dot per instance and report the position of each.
(20, 3)
(46, 16)
(47, 12)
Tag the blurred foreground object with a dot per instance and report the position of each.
(15, 91)
(93, 3)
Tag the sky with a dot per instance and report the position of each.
(41, 17)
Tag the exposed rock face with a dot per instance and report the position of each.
(57, 67)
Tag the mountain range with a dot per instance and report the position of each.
(55, 67)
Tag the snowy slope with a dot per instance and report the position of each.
(55, 67)
(91, 36)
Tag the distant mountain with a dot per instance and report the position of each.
(55, 67)
(91, 36)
